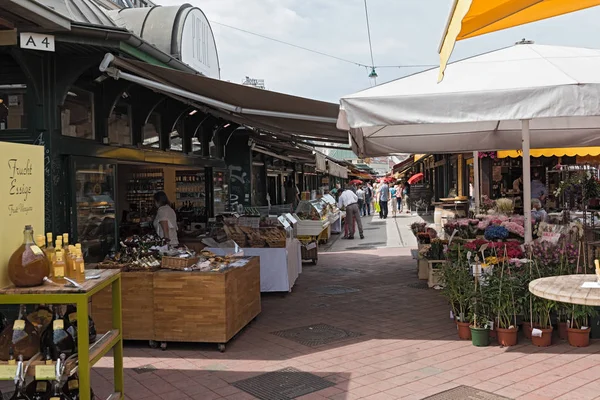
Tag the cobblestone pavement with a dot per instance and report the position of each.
(402, 344)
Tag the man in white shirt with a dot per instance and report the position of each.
(349, 201)
(360, 193)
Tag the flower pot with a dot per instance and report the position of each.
(545, 340)
(579, 337)
(464, 333)
(527, 330)
(562, 330)
(480, 336)
(508, 337)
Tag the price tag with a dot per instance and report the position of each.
(469, 255)
(58, 324)
(45, 372)
(36, 250)
(7, 372)
(19, 325)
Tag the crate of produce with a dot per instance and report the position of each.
(178, 263)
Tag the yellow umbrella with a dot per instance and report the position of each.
(470, 18)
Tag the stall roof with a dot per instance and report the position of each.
(298, 117)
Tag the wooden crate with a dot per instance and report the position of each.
(205, 307)
(138, 304)
(435, 272)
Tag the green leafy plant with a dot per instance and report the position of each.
(504, 289)
(436, 250)
(580, 316)
(458, 288)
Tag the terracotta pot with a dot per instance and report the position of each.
(527, 330)
(579, 337)
(508, 337)
(562, 330)
(545, 340)
(464, 331)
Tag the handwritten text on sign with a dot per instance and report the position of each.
(19, 185)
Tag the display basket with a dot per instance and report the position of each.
(178, 263)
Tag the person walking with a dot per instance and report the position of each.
(349, 201)
(368, 197)
(360, 193)
(406, 196)
(393, 200)
(399, 198)
(384, 197)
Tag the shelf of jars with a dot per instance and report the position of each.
(49, 344)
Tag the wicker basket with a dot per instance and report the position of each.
(178, 263)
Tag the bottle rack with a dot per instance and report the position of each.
(141, 188)
(87, 355)
(190, 194)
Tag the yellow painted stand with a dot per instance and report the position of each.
(87, 355)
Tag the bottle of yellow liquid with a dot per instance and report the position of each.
(58, 267)
(49, 247)
(65, 239)
(78, 266)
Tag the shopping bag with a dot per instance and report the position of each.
(377, 207)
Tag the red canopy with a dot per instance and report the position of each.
(415, 178)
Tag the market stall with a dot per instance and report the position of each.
(209, 301)
(271, 239)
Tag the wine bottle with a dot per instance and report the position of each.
(58, 265)
(19, 393)
(40, 390)
(71, 320)
(41, 317)
(57, 392)
(71, 388)
(19, 338)
(28, 266)
(56, 338)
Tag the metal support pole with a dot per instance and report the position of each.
(476, 181)
(525, 136)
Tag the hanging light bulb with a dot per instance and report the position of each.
(373, 74)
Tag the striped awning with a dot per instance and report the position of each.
(553, 152)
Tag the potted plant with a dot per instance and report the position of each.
(541, 335)
(457, 287)
(502, 288)
(480, 330)
(579, 329)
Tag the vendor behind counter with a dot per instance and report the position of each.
(165, 222)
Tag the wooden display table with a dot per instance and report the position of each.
(567, 289)
(177, 306)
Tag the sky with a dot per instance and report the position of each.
(403, 32)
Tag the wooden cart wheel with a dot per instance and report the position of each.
(221, 347)
(153, 344)
(163, 346)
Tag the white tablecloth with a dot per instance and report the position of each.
(279, 268)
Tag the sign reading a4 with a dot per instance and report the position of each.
(36, 41)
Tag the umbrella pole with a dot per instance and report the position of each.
(525, 136)
(476, 185)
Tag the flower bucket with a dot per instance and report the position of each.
(507, 337)
(579, 337)
(545, 340)
(464, 333)
(480, 336)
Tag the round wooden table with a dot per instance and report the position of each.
(567, 289)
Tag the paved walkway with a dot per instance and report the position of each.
(399, 342)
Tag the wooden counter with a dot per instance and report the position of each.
(183, 306)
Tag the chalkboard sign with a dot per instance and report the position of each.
(420, 196)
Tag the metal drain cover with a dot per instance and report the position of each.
(418, 285)
(285, 384)
(317, 335)
(465, 392)
(145, 369)
(334, 290)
